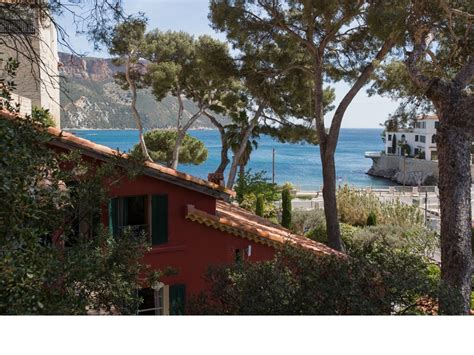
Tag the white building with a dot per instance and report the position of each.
(30, 37)
(417, 142)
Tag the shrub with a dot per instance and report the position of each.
(249, 203)
(355, 206)
(255, 183)
(372, 219)
(286, 207)
(297, 281)
(260, 205)
(303, 221)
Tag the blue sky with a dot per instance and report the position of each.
(191, 16)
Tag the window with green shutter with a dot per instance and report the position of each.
(177, 299)
(113, 216)
(159, 219)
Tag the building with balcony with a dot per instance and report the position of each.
(417, 142)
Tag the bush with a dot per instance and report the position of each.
(249, 203)
(255, 183)
(372, 219)
(286, 207)
(260, 205)
(299, 282)
(355, 206)
(303, 221)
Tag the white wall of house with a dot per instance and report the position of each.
(419, 139)
(37, 80)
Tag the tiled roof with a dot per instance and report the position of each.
(70, 141)
(241, 223)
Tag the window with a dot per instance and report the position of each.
(389, 137)
(416, 137)
(416, 151)
(403, 138)
(418, 125)
(132, 212)
(159, 217)
(154, 301)
(389, 150)
(177, 299)
(422, 139)
(433, 138)
(128, 213)
(23, 26)
(436, 124)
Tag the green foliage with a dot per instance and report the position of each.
(371, 219)
(297, 281)
(46, 265)
(302, 221)
(255, 183)
(286, 207)
(260, 205)
(42, 115)
(354, 207)
(160, 144)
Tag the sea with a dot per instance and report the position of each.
(299, 164)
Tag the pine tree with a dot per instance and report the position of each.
(260, 205)
(286, 206)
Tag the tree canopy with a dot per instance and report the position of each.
(160, 144)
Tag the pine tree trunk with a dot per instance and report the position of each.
(136, 115)
(243, 146)
(179, 141)
(330, 200)
(454, 154)
(224, 145)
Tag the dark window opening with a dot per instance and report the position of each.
(147, 307)
(416, 137)
(238, 256)
(422, 139)
(177, 299)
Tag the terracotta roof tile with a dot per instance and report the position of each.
(76, 142)
(239, 222)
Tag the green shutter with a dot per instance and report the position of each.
(159, 219)
(113, 214)
(177, 299)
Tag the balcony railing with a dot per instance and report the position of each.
(134, 230)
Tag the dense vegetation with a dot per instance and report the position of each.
(55, 258)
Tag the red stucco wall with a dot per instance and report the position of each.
(191, 247)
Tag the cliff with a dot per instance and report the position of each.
(91, 99)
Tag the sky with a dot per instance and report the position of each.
(191, 16)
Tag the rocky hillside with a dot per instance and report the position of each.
(91, 99)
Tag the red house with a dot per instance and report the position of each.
(191, 224)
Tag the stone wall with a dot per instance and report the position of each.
(407, 171)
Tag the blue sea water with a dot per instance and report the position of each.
(299, 164)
